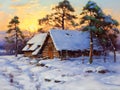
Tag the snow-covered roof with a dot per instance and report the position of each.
(71, 40)
(63, 40)
(37, 39)
(36, 51)
(35, 43)
(25, 48)
(33, 47)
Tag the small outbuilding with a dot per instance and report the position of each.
(34, 45)
(60, 44)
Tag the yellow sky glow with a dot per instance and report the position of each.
(30, 13)
(28, 16)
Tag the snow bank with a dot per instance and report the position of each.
(59, 75)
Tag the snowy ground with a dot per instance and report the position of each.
(19, 74)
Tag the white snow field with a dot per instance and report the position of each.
(22, 73)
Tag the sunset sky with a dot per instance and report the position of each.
(29, 11)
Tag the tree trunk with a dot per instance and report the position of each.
(91, 48)
(114, 50)
(16, 45)
(105, 54)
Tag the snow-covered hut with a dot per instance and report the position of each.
(34, 44)
(60, 43)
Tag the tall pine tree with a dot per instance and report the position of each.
(14, 34)
(62, 16)
(99, 25)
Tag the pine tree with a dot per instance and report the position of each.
(98, 24)
(109, 25)
(61, 17)
(89, 18)
(14, 34)
(63, 13)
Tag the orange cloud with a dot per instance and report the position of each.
(28, 13)
(4, 20)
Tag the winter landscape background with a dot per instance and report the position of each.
(22, 19)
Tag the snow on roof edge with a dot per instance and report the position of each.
(39, 48)
(35, 41)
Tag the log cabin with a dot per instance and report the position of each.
(60, 44)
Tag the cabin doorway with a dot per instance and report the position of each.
(50, 51)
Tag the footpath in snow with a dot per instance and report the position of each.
(22, 73)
